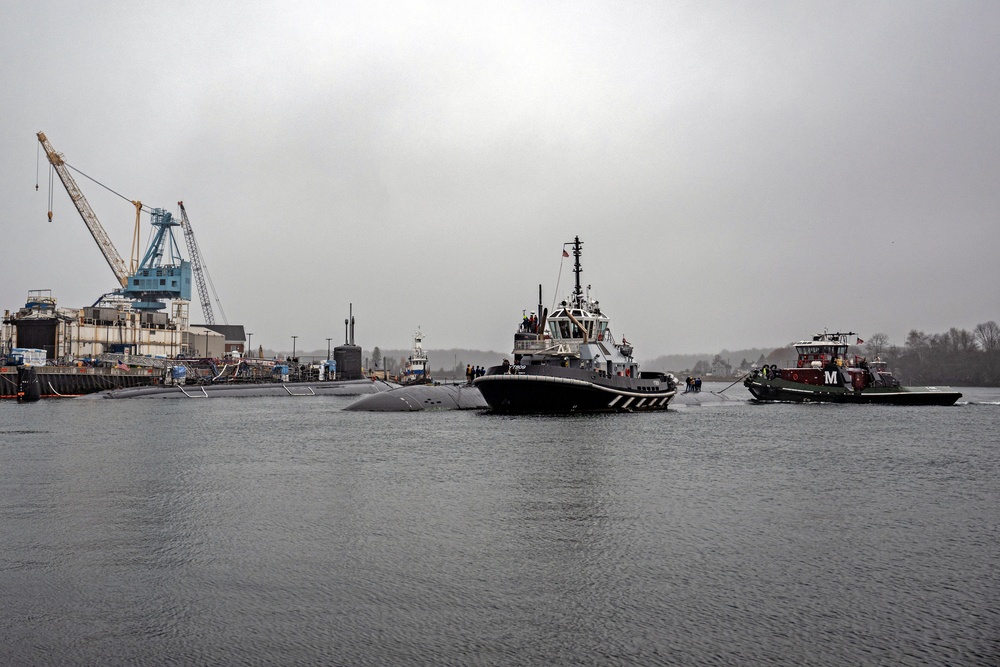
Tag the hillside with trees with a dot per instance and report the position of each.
(727, 363)
(441, 364)
(956, 357)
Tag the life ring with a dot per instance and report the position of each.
(795, 376)
(799, 364)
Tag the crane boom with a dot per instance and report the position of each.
(198, 268)
(89, 217)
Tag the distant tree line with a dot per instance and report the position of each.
(957, 357)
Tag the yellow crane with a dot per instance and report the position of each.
(114, 260)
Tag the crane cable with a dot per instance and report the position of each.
(38, 158)
(139, 206)
(145, 209)
(38, 161)
(136, 251)
(52, 170)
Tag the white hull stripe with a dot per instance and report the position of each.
(811, 392)
(580, 383)
(614, 400)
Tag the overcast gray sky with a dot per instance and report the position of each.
(741, 173)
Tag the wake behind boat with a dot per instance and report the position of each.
(570, 362)
(824, 372)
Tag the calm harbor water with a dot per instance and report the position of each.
(286, 531)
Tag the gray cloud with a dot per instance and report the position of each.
(741, 175)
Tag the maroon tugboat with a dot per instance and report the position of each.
(825, 372)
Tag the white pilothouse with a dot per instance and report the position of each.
(416, 364)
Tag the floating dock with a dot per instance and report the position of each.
(71, 381)
(280, 389)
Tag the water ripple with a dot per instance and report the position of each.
(262, 532)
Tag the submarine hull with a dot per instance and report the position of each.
(412, 398)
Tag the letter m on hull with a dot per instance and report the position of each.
(830, 377)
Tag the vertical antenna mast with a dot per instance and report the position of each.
(577, 290)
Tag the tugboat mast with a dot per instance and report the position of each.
(577, 290)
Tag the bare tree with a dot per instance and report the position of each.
(876, 343)
(962, 340)
(988, 336)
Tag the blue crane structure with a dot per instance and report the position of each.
(162, 273)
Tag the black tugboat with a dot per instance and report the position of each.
(825, 373)
(569, 362)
